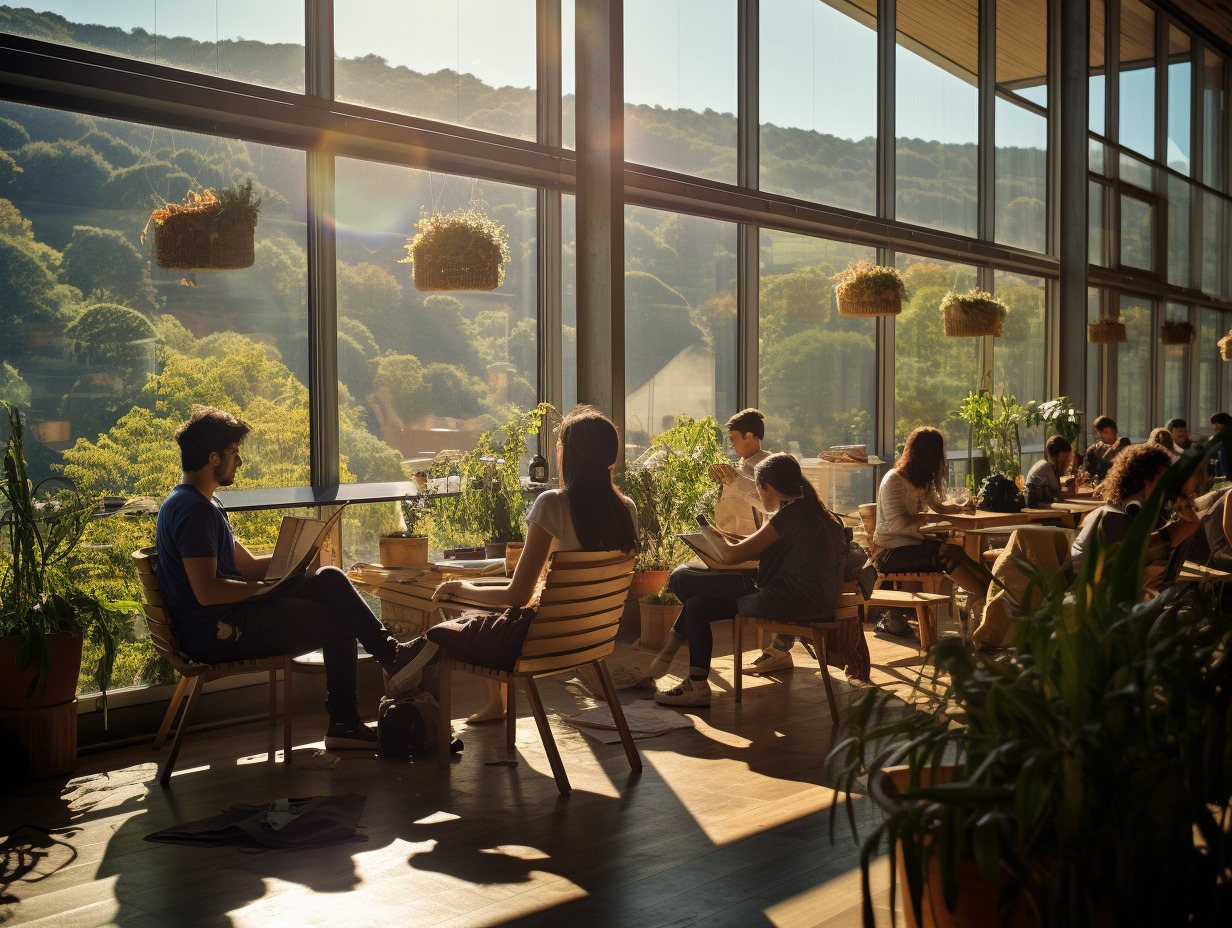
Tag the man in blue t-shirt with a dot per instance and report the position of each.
(211, 585)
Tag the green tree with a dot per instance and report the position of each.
(106, 262)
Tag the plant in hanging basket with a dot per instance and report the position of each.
(1176, 333)
(464, 250)
(972, 314)
(209, 231)
(1225, 347)
(865, 289)
(1106, 330)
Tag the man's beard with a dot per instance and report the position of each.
(221, 479)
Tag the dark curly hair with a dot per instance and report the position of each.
(1131, 471)
(923, 460)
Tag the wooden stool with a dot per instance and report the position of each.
(924, 604)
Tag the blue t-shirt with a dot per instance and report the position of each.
(189, 525)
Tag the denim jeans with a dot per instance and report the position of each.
(707, 596)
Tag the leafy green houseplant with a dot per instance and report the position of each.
(995, 419)
(866, 289)
(1059, 416)
(658, 612)
(463, 250)
(670, 484)
(972, 314)
(211, 230)
(1085, 777)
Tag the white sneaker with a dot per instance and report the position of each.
(689, 693)
(771, 659)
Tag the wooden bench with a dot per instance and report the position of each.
(924, 604)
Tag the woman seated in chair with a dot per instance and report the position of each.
(1044, 479)
(913, 486)
(801, 549)
(1130, 480)
(587, 513)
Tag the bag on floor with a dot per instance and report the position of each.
(406, 724)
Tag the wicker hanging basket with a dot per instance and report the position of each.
(864, 289)
(1225, 347)
(1176, 333)
(972, 315)
(1106, 331)
(458, 251)
(853, 307)
(207, 232)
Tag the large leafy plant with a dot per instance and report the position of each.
(39, 593)
(995, 419)
(1092, 775)
(670, 484)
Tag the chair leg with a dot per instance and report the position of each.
(618, 715)
(176, 698)
(444, 721)
(823, 660)
(273, 695)
(738, 651)
(545, 735)
(169, 764)
(924, 619)
(287, 737)
(511, 715)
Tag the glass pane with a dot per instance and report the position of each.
(1137, 90)
(818, 102)
(1137, 172)
(1096, 210)
(1214, 121)
(932, 373)
(1180, 70)
(1096, 87)
(1178, 232)
(1022, 177)
(568, 333)
(1022, 49)
(937, 113)
(680, 86)
(1136, 233)
(105, 353)
(680, 321)
(1134, 369)
(1095, 156)
(818, 370)
(464, 62)
(1176, 371)
(425, 372)
(1018, 354)
(1213, 255)
(257, 43)
(1209, 332)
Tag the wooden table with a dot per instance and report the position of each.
(967, 522)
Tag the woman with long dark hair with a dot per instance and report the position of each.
(587, 513)
(914, 485)
(801, 549)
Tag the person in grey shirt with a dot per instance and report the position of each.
(1044, 479)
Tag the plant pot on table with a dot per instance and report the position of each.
(403, 551)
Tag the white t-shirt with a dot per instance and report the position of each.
(551, 512)
(897, 499)
(734, 511)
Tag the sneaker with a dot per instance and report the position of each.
(771, 659)
(341, 736)
(893, 624)
(690, 692)
(409, 660)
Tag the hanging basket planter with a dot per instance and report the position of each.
(457, 251)
(864, 289)
(972, 314)
(1108, 330)
(209, 231)
(1176, 333)
(1225, 347)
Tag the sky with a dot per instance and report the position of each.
(817, 64)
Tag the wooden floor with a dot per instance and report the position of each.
(726, 825)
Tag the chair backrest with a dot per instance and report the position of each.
(157, 618)
(579, 610)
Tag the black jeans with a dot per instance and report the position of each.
(319, 610)
(707, 596)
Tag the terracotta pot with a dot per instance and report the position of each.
(646, 582)
(494, 549)
(657, 621)
(403, 551)
(513, 554)
(61, 685)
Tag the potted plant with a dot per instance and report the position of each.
(658, 613)
(45, 612)
(994, 420)
(972, 314)
(1106, 330)
(408, 547)
(1082, 778)
(463, 250)
(866, 289)
(1060, 416)
(1176, 333)
(670, 484)
(209, 231)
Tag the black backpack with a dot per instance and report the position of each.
(407, 725)
(1000, 494)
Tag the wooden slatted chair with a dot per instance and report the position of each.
(575, 625)
(158, 622)
(810, 627)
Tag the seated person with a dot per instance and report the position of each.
(1163, 438)
(913, 486)
(734, 512)
(1133, 476)
(1044, 478)
(1217, 527)
(1218, 421)
(587, 513)
(1099, 455)
(1179, 430)
(210, 583)
(802, 550)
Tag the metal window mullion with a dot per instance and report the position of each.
(1197, 91)
(986, 130)
(748, 156)
(1070, 77)
(1112, 72)
(886, 125)
(548, 219)
(885, 375)
(1161, 88)
(986, 280)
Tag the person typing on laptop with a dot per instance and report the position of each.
(212, 586)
